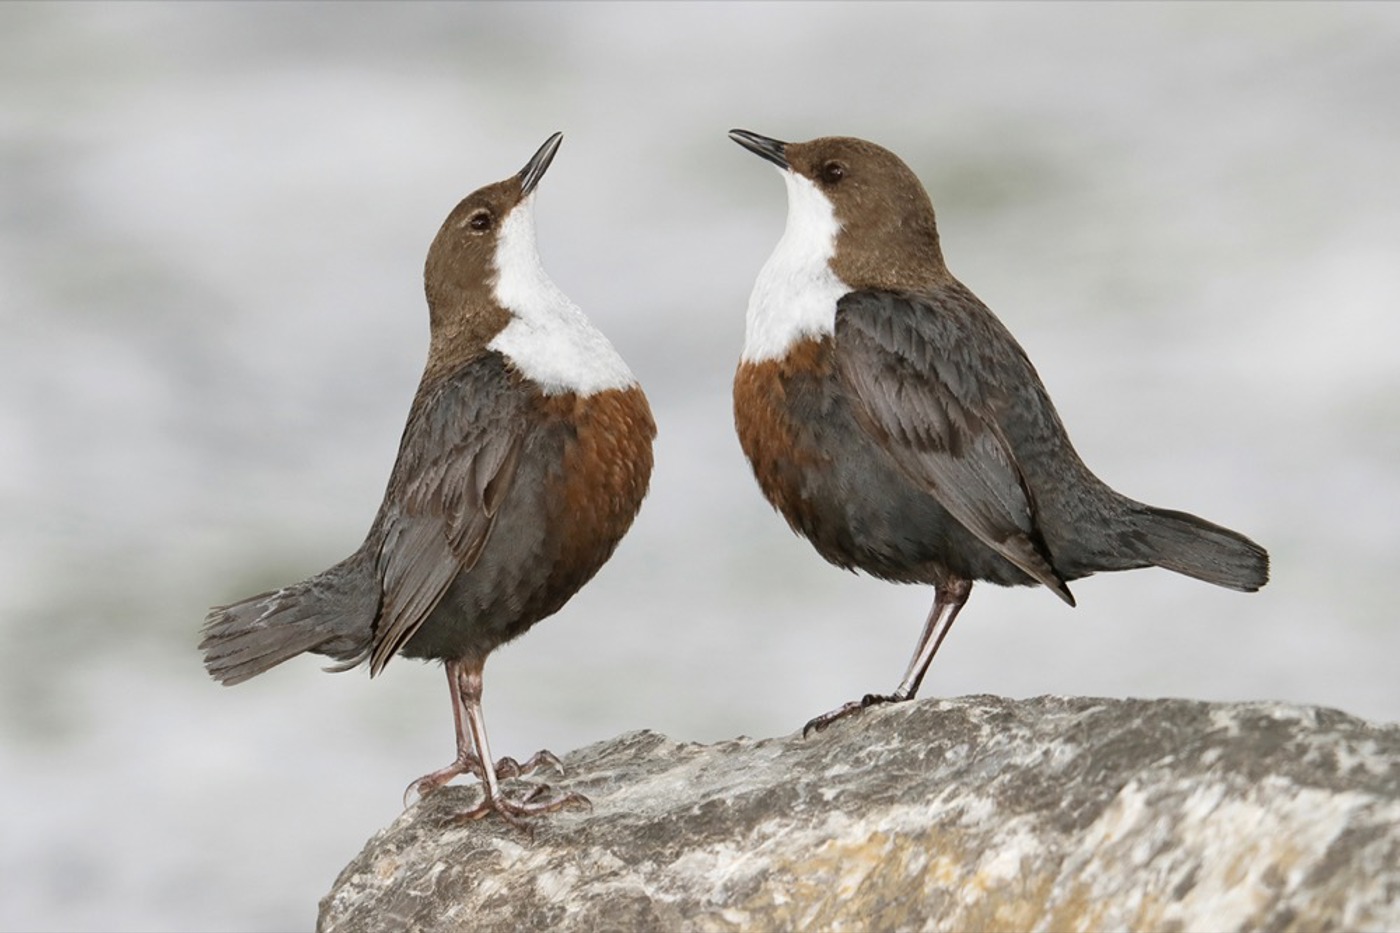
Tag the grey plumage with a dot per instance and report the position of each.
(907, 434)
(331, 614)
(425, 564)
(945, 390)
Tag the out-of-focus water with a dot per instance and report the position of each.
(212, 225)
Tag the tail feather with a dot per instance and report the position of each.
(331, 614)
(1193, 546)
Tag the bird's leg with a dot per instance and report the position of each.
(512, 811)
(466, 761)
(947, 601)
(948, 598)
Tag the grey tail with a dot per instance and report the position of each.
(332, 614)
(1198, 548)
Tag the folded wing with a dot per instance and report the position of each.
(924, 387)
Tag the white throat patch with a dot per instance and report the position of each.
(548, 338)
(796, 292)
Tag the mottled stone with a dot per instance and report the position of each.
(968, 814)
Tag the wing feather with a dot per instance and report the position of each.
(457, 463)
(923, 373)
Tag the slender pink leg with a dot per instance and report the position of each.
(466, 761)
(464, 683)
(947, 600)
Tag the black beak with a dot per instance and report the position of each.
(533, 171)
(773, 150)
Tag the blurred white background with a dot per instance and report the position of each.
(213, 220)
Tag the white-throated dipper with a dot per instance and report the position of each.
(898, 426)
(526, 456)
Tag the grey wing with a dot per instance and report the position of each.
(457, 460)
(920, 371)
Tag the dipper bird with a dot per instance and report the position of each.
(526, 456)
(899, 427)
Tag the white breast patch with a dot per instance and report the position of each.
(549, 340)
(795, 295)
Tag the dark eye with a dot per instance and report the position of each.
(832, 172)
(480, 221)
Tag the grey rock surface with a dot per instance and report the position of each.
(965, 814)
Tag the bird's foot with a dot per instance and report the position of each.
(819, 723)
(510, 768)
(470, 764)
(514, 812)
(465, 763)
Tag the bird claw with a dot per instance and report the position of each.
(505, 769)
(425, 785)
(818, 723)
(514, 812)
(474, 757)
(510, 768)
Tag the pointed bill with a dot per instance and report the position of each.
(773, 150)
(534, 170)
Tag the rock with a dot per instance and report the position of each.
(966, 814)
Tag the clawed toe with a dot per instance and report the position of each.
(514, 812)
(819, 723)
(506, 769)
(539, 799)
(510, 768)
(464, 683)
(425, 785)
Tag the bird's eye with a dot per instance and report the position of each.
(832, 172)
(480, 221)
